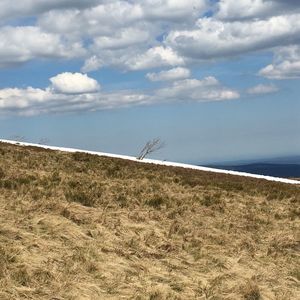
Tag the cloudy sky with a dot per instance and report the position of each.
(216, 80)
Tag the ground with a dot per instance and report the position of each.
(77, 226)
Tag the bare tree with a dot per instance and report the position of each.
(150, 147)
(17, 138)
(43, 141)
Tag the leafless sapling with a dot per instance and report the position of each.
(150, 147)
(43, 141)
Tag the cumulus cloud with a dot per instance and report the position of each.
(136, 35)
(216, 39)
(21, 44)
(237, 10)
(284, 70)
(32, 7)
(92, 64)
(207, 89)
(32, 101)
(74, 83)
(155, 57)
(17, 99)
(64, 95)
(286, 64)
(174, 10)
(103, 19)
(68, 92)
(230, 9)
(172, 74)
(262, 89)
(113, 27)
(122, 39)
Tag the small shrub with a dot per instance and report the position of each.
(189, 181)
(294, 213)
(14, 183)
(276, 195)
(73, 184)
(80, 197)
(156, 295)
(42, 276)
(37, 194)
(295, 273)
(251, 291)
(113, 171)
(8, 184)
(25, 180)
(156, 201)
(83, 157)
(55, 177)
(282, 244)
(122, 200)
(210, 200)
(22, 276)
(205, 290)
(2, 174)
(177, 287)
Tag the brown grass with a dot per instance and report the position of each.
(77, 226)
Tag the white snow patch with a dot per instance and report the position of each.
(154, 161)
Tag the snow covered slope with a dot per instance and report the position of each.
(158, 162)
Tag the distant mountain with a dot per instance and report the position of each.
(272, 169)
(282, 160)
(295, 160)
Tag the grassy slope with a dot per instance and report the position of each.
(76, 226)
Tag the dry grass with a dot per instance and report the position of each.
(76, 226)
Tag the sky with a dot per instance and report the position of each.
(214, 80)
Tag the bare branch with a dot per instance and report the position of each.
(18, 138)
(44, 141)
(150, 147)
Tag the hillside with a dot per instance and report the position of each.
(78, 226)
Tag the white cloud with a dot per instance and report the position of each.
(32, 7)
(113, 27)
(13, 98)
(207, 89)
(216, 39)
(31, 101)
(74, 83)
(284, 70)
(104, 19)
(230, 9)
(236, 10)
(92, 64)
(21, 44)
(262, 89)
(136, 35)
(173, 74)
(173, 10)
(122, 39)
(286, 64)
(155, 57)
(76, 92)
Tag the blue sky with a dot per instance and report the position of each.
(215, 80)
